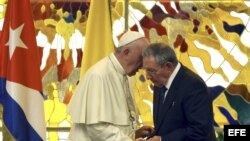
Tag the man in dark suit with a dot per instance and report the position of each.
(182, 107)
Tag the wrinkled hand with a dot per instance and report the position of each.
(155, 138)
(144, 131)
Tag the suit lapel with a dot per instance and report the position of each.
(167, 104)
(156, 105)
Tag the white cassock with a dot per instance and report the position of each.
(99, 106)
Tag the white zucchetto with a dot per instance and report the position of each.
(129, 37)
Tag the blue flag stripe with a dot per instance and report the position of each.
(14, 117)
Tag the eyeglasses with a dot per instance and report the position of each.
(152, 71)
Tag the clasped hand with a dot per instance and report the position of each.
(154, 138)
(144, 132)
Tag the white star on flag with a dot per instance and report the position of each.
(21, 93)
(15, 40)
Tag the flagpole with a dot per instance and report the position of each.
(126, 15)
(110, 11)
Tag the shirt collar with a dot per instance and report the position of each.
(172, 76)
(118, 67)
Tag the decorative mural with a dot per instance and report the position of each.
(211, 37)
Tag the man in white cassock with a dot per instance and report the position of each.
(102, 107)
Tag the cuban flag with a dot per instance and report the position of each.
(20, 79)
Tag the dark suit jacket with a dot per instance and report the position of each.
(187, 113)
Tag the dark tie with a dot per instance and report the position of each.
(162, 94)
(161, 101)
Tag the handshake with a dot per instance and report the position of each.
(146, 133)
(154, 138)
(140, 139)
